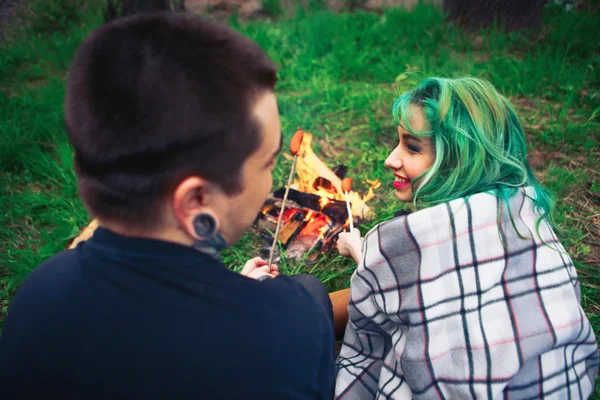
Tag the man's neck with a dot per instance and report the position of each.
(166, 234)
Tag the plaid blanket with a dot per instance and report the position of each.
(460, 301)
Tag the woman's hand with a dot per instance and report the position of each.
(258, 267)
(350, 245)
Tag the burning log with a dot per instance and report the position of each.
(334, 209)
(301, 246)
(318, 205)
(310, 223)
(307, 200)
(292, 226)
(311, 237)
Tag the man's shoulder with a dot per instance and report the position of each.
(288, 324)
(46, 281)
(42, 297)
(55, 270)
(286, 308)
(287, 297)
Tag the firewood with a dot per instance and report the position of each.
(301, 246)
(293, 226)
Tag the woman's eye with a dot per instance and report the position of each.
(414, 149)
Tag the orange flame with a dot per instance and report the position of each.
(309, 168)
(323, 202)
(308, 215)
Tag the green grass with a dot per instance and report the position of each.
(339, 74)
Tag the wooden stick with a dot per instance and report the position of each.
(295, 145)
(285, 196)
(346, 187)
(349, 212)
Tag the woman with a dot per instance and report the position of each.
(471, 295)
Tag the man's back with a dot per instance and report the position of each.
(135, 318)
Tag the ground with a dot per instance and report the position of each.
(339, 74)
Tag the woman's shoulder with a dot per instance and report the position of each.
(438, 215)
(447, 220)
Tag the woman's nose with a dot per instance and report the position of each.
(393, 161)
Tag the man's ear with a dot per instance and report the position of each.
(191, 198)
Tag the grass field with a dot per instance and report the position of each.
(339, 74)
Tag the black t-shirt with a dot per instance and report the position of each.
(130, 318)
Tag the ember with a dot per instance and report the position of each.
(315, 211)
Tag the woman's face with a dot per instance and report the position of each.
(412, 157)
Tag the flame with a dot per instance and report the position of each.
(323, 202)
(308, 215)
(323, 231)
(317, 223)
(309, 168)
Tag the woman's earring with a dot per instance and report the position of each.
(211, 242)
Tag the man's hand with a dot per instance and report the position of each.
(350, 245)
(258, 267)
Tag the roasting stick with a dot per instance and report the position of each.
(294, 149)
(346, 187)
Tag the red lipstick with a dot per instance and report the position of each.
(401, 185)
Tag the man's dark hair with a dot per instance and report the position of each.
(157, 97)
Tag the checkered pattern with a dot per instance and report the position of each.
(449, 304)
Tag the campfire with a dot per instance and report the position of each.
(315, 211)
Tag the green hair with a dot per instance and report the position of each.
(478, 139)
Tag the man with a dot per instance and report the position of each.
(176, 131)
